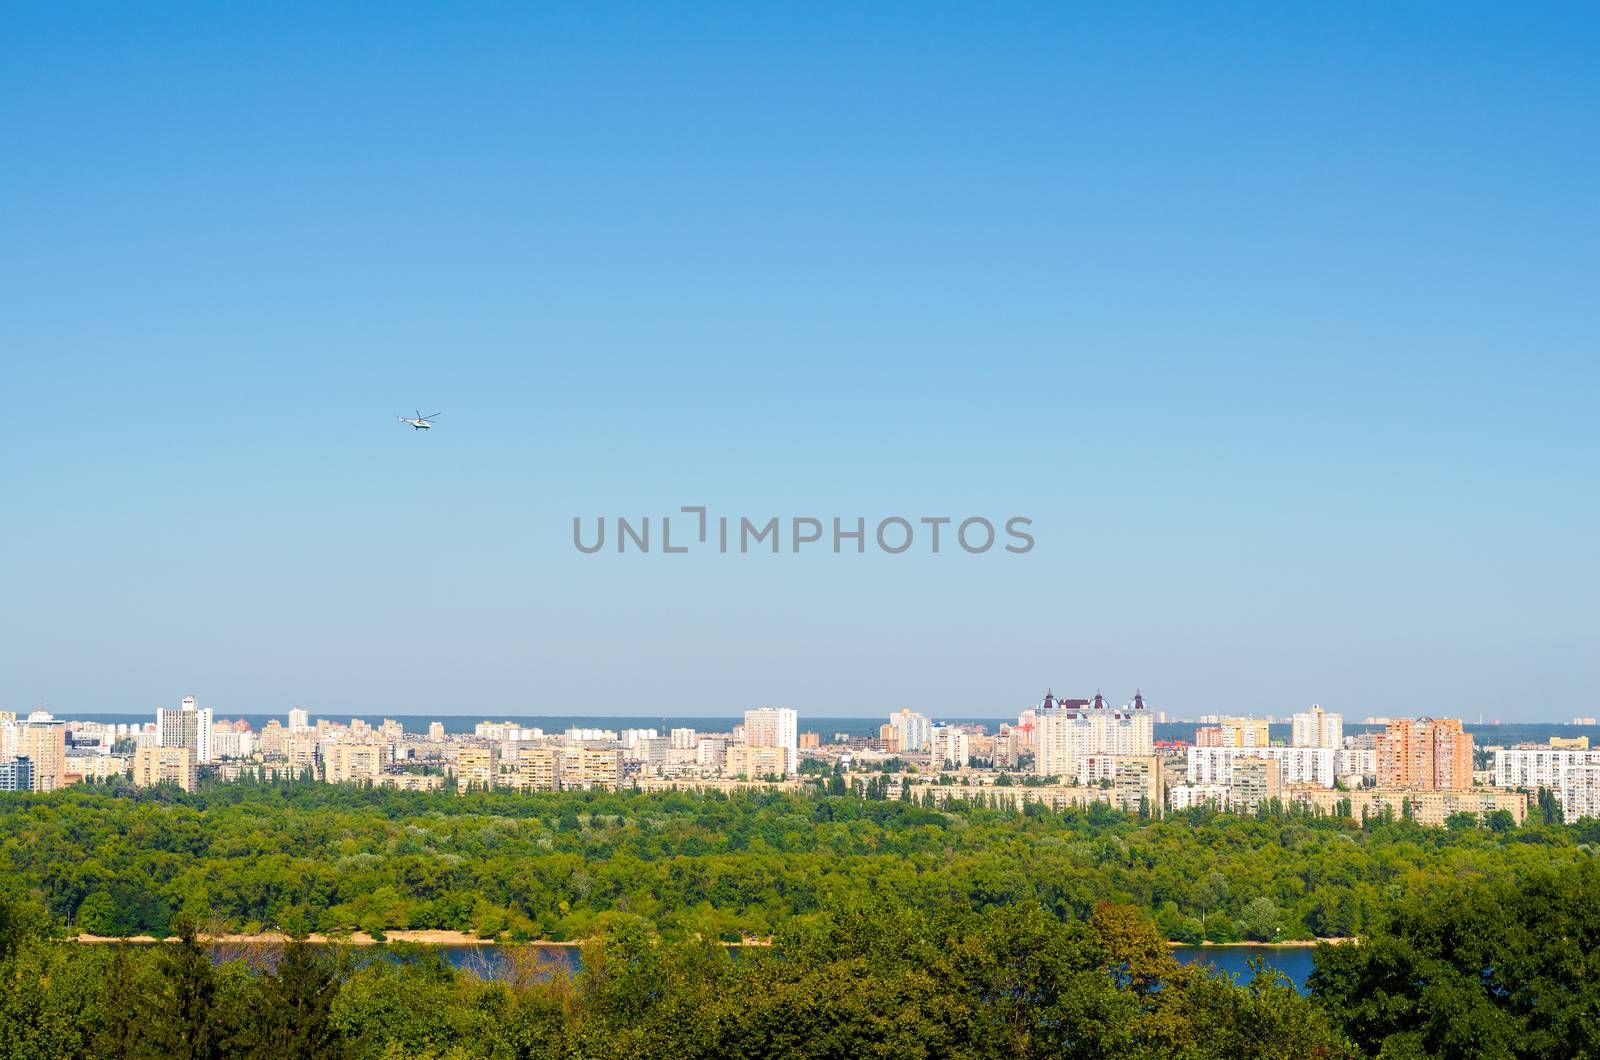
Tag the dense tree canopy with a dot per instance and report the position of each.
(896, 930)
(875, 979)
(1496, 970)
(310, 857)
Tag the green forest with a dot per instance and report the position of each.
(1492, 970)
(318, 858)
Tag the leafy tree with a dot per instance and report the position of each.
(182, 1018)
(121, 1031)
(1500, 821)
(1494, 969)
(97, 915)
(1259, 920)
(295, 1014)
(1210, 893)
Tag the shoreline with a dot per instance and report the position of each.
(429, 937)
(355, 938)
(435, 937)
(1287, 944)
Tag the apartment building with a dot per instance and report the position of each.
(1067, 731)
(353, 763)
(1297, 765)
(42, 740)
(751, 762)
(1317, 728)
(155, 764)
(1428, 754)
(477, 768)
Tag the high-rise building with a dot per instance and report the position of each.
(1580, 793)
(1317, 728)
(775, 727)
(477, 768)
(754, 762)
(156, 764)
(586, 768)
(1255, 781)
(538, 768)
(1297, 765)
(1539, 767)
(352, 763)
(16, 775)
(298, 720)
(42, 740)
(653, 753)
(436, 732)
(683, 739)
(911, 730)
(1244, 732)
(1430, 754)
(948, 746)
(1067, 731)
(187, 726)
(1139, 785)
(232, 740)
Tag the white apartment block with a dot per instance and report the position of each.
(187, 726)
(949, 746)
(1317, 728)
(1065, 735)
(1538, 767)
(1189, 796)
(231, 743)
(775, 727)
(1297, 765)
(1580, 792)
(912, 730)
(1356, 762)
(652, 752)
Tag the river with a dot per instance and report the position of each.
(1293, 961)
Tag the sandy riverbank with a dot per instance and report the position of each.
(359, 938)
(462, 938)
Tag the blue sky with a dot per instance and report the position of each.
(1280, 325)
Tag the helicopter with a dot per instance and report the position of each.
(421, 423)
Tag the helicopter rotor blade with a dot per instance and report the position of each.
(429, 416)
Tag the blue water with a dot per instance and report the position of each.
(1293, 961)
(489, 961)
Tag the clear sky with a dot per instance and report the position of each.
(1280, 325)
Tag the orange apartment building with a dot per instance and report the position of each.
(1429, 754)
